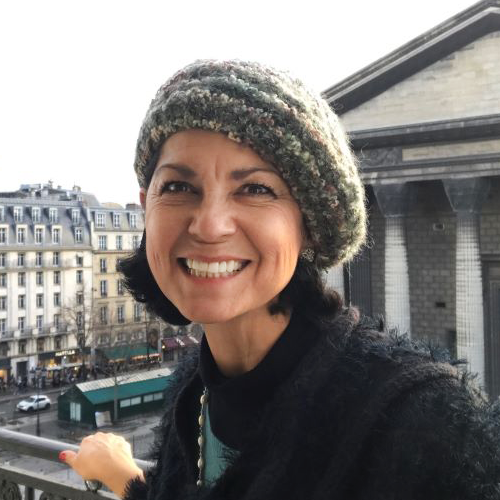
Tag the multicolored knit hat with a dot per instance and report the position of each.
(286, 124)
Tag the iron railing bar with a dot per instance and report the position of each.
(44, 483)
(48, 449)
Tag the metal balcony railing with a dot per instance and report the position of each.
(13, 479)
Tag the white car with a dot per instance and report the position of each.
(34, 403)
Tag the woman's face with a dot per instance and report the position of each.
(223, 231)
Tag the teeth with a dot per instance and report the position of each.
(213, 269)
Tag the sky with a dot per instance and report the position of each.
(76, 77)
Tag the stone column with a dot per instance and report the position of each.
(466, 197)
(393, 200)
(334, 278)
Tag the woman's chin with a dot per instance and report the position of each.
(208, 316)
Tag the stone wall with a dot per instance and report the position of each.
(490, 221)
(431, 236)
(463, 84)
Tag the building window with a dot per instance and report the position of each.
(3, 235)
(56, 235)
(3, 280)
(39, 300)
(57, 277)
(57, 320)
(22, 343)
(135, 241)
(119, 287)
(21, 301)
(35, 215)
(18, 214)
(100, 218)
(75, 411)
(2, 214)
(137, 312)
(3, 303)
(57, 299)
(57, 343)
(103, 315)
(3, 325)
(116, 220)
(79, 276)
(39, 322)
(21, 279)
(79, 298)
(119, 242)
(103, 265)
(53, 215)
(21, 235)
(39, 278)
(40, 345)
(20, 260)
(20, 323)
(133, 221)
(104, 288)
(78, 235)
(38, 259)
(55, 259)
(79, 320)
(102, 242)
(2, 259)
(79, 260)
(39, 235)
(120, 314)
(75, 216)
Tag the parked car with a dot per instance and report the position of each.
(34, 403)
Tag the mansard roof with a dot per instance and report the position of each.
(480, 19)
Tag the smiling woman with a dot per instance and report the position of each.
(250, 191)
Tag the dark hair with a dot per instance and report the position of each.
(305, 292)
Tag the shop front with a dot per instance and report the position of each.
(63, 366)
(4, 371)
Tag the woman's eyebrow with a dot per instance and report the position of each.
(189, 173)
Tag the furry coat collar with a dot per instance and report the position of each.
(365, 415)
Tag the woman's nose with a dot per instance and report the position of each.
(212, 221)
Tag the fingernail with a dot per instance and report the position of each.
(62, 456)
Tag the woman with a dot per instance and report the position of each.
(250, 191)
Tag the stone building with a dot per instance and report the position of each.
(45, 256)
(116, 231)
(425, 124)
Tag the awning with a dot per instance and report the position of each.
(128, 351)
(170, 343)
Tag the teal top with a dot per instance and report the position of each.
(214, 453)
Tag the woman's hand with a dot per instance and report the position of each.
(104, 457)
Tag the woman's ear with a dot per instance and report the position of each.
(142, 197)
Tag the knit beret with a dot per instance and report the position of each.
(286, 124)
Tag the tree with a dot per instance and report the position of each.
(78, 312)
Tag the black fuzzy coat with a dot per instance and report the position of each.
(365, 415)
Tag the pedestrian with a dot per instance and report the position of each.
(250, 192)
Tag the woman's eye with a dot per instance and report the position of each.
(257, 189)
(176, 187)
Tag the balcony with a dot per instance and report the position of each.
(15, 481)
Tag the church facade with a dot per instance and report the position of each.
(424, 122)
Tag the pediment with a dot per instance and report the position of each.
(449, 72)
(465, 83)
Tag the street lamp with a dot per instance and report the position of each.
(37, 379)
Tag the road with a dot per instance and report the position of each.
(8, 410)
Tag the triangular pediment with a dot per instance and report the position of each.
(451, 71)
(464, 84)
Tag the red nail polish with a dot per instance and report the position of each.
(62, 456)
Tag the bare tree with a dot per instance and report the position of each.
(78, 312)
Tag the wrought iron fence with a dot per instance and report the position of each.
(20, 484)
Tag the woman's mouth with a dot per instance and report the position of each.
(220, 269)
